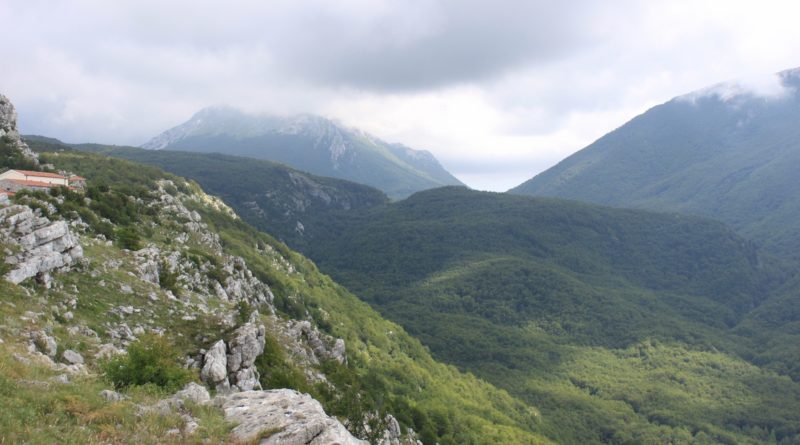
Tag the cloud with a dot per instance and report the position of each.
(768, 86)
(509, 86)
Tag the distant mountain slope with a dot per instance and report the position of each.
(272, 196)
(310, 143)
(719, 152)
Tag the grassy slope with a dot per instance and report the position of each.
(437, 400)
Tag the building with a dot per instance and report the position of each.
(16, 180)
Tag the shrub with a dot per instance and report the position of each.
(150, 359)
(128, 238)
(168, 280)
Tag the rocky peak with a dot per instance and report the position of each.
(9, 131)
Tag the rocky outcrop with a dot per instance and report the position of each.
(283, 417)
(43, 246)
(315, 346)
(9, 132)
(215, 367)
(232, 367)
(245, 346)
(44, 343)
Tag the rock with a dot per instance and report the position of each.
(44, 343)
(247, 344)
(68, 316)
(297, 419)
(190, 424)
(8, 128)
(72, 357)
(125, 289)
(194, 393)
(112, 396)
(61, 378)
(392, 433)
(44, 246)
(215, 371)
(148, 264)
(107, 350)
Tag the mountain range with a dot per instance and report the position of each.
(661, 309)
(309, 143)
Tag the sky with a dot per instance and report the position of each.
(497, 90)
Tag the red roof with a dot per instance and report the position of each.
(40, 174)
(77, 178)
(29, 183)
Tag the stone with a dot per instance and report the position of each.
(8, 128)
(295, 418)
(215, 362)
(72, 357)
(194, 393)
(44, 343)
(111, 396)
(247, 344)
(61, 378)
(106, 351)
(44, 246)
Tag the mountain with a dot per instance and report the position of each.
(616, 326)
(273, 197)
(724, 152)
(142, 284)
(309, 143)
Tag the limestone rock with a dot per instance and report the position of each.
(194, 393)
(247, 344)
(44, 343)
(44, 246)
(215, 370)
(111, 396)
(8, 129)
(72, 357)
(297, 418)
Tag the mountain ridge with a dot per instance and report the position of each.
(720, 152)
(311, 143)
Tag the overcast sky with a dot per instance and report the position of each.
(498, 90)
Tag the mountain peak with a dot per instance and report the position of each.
(308, 142)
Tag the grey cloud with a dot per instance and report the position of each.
(456, 41)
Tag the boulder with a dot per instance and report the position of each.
(245, 346)
(292, 417)
(194, 393)
(44, 343)
(215, 371)
(72, 357)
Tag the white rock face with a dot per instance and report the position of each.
(44, 246)
(8, 128)
(215, 366)
(297, 418)
(246, 345)
(233, 367)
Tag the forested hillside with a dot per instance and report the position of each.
(730, 157)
